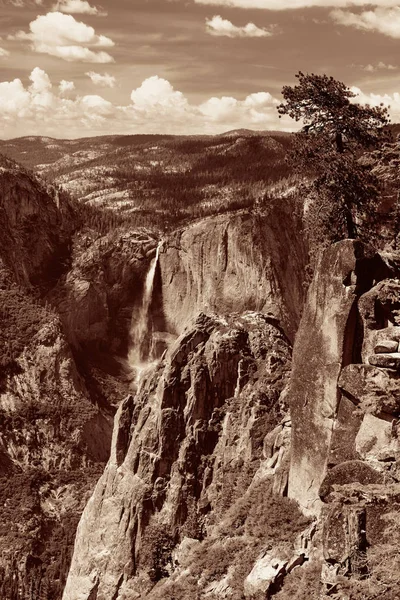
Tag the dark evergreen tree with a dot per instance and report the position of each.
(335, 133)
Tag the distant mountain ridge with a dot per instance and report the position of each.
(34, 150)
(171, 178)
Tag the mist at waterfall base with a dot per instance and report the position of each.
(141, 356)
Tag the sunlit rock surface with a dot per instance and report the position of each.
(195, 418)
(236, 263)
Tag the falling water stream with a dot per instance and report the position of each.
(139, 356)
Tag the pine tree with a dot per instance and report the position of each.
(335, 133)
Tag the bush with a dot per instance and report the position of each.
(383, 564)
(303, 582)
(157, 544)
(261, 515)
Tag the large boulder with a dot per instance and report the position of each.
(348, 472)
(377, 441)
(266, 573)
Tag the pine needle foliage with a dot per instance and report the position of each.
(335, 133)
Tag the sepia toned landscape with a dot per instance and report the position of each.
(199, 300)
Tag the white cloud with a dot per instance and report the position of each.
(257, 109)
(379, 67)
(61, 35)
(66, 87)
(156, 93)
(14, 98)
(105, 80)
(222, 27)
(391, 101)
(40, 81)
(77, 7)
(41, 108)
(293, 4)
(156, 107)
(41, 91)
(382, 20)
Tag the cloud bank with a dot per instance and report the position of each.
(42, 108)
(63, 36)
(381, 20)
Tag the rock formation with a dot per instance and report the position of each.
(178, 448)
(200, 496)
(36, 226)
(344, 405)
(177, 444)
(236, 263)
(325, 343)
(53, 438)
(103, 287)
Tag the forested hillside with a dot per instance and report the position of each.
(160, 179)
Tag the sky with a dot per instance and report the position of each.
(75, 68)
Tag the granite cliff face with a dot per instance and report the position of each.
(36, 226)
(344, 407)
(233, 463)
(236, 263)
(208, 438)
(103, 287)
(194, 431)
(328, 339)
(176, 452)
(70, 298)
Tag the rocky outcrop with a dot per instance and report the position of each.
(47, 393)
(234, 263)
(180, 447)
(325, 342)
(345, 407)
(375, 389)
(36, 223)
(266, 573)
(103, 288)
(54, 439)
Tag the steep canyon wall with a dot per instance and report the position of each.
(233, 263)
(179, 446)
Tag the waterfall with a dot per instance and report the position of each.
(138, 355)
